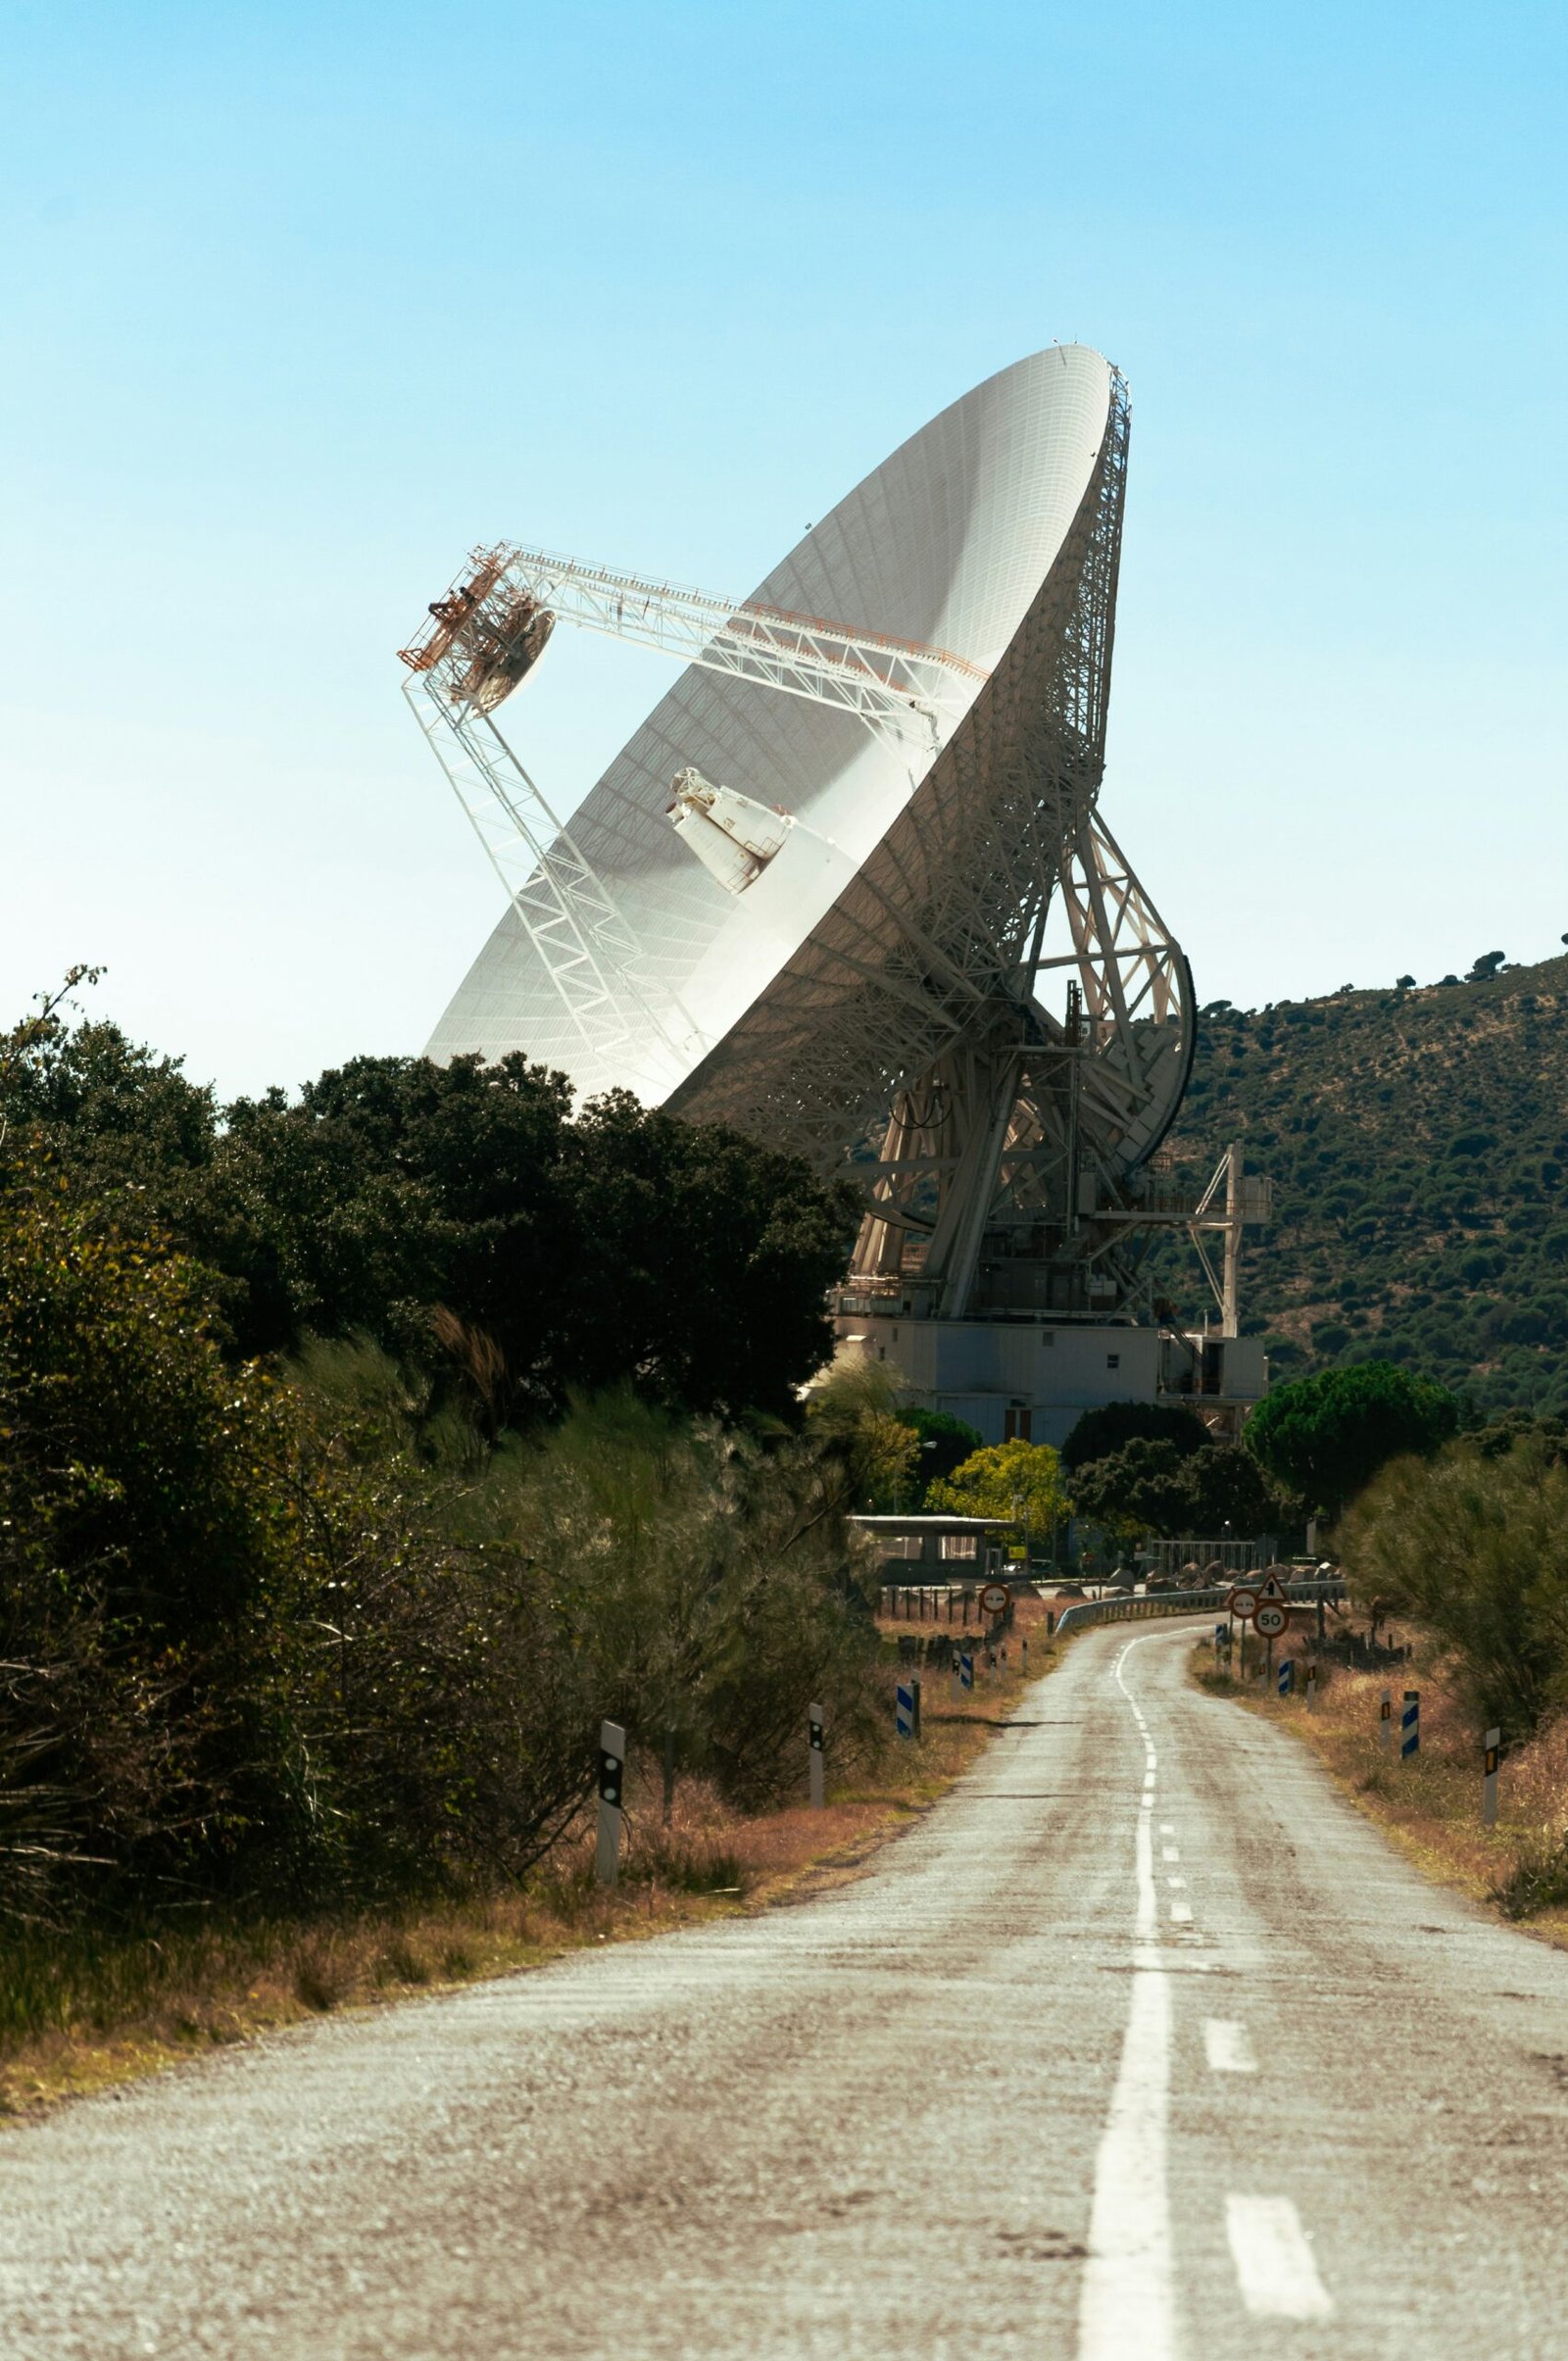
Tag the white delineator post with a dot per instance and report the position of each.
(1386, 1720)
(611, 1775)
(1489, 1784)
(814, 1729)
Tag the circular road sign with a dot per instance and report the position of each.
(1243, 1603)
(993, 1598)
(1271, 1620)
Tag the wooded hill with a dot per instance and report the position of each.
(1418, 1145)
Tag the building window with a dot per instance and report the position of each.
(1113, 1361)
(1016, 1422)
(958, 1544)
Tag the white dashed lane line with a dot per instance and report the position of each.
(1274, 2266)
(1180, 1914)
(1227, 2046)
(1127, 2301)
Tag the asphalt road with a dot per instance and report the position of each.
(1142, 2045)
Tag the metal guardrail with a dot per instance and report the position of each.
(1085, 1612)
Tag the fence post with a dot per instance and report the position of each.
(814, 1743)
(1410, 1725)
(1489, 1784)
(1386, 1720)
(611, 1772)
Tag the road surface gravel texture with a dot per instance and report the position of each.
(1143, 2043)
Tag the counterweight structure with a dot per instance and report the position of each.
(850, 890)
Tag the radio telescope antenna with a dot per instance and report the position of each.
(484, 638)
(849, 888)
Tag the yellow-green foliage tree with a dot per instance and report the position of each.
(1019, 1480)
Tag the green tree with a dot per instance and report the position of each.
(1150, 1487)
(145, 1547)
(1326, 1435)
(856, 1414)
(945, 1443)
(1016, 1480)
(1112, 1425)
(1134, 1491)
(1473, 1545)
(620, 1241)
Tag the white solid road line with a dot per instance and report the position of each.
(1227, 2046)
(1127, 2304)
(1274, 2264)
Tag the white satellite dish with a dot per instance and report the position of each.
(814, 894)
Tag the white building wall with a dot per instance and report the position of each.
(980, 1369)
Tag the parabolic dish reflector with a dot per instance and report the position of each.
(917, 878)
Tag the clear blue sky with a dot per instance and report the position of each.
(299, 303)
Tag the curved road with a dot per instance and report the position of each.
(1142, 2045)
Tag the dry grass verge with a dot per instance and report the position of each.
(80, 2012)
(1431, 1806)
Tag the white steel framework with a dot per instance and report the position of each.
(582, 941)
(897, 687)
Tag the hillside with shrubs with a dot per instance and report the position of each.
(1417, 1139)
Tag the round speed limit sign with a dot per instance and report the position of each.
(993, 1598)
(1271, 1620)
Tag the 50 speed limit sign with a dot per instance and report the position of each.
(1270, 1621)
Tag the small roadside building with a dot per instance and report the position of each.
(936, 1549)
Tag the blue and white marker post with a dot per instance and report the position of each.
(1488, 1783)
(813, 1750)
(612, 1774)
(966, 1670)
(1410, 1725)
(1287, 1681)
(904, 1711)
